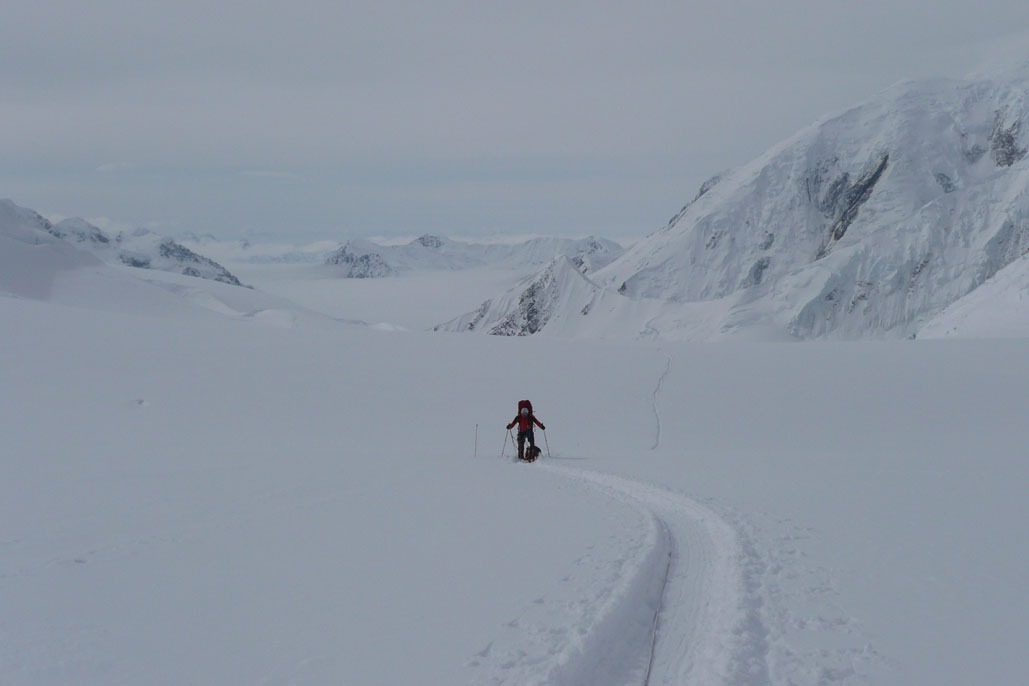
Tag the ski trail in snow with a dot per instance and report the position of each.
(673, 608)
(704, 633)
(654, 406)
(595, 627)
(655, 627)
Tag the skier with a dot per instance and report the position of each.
(525, 419)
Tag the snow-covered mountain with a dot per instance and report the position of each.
(30, 256)
(361, 258)
(258, 251)
(531, 304)
(37, 264)
(864, 225)
(139, 248)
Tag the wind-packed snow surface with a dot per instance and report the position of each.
(210, 484)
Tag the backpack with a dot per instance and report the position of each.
(524, 403)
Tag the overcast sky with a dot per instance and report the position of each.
(345, 118)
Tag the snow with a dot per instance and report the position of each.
(141, 249)
(995, 309)
(862, 226)
(211, 484)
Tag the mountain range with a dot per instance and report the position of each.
(360, 258)
(904, 216)
(139, 248)
(868, 224)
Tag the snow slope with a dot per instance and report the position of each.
(864, 225)
(36, 264)
(198, 497)
(997, 309)
(530, 305)
(140, 248)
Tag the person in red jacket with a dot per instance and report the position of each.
(525, 419)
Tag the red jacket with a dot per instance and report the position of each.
(525, 423)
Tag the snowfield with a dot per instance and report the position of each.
(207, 484)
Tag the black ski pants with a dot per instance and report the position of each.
(522, 436)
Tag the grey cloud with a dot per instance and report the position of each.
(385, 89)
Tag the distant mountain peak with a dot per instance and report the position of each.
(360, 258)
(358, 264)
(528, 307)
(430, 241)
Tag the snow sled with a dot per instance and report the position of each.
(531, 453)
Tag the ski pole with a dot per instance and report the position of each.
(505, 445)
(546, 442)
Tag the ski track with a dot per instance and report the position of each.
(654, 406)
(704, 632)
(672, 610)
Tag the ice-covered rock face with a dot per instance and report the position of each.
(532, 312)
(842, 200)
(555, 291)
(359, 264)
(861, 225)
(1004, 140)
(192, 264)
(432, 242)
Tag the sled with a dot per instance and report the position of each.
(531, 453)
